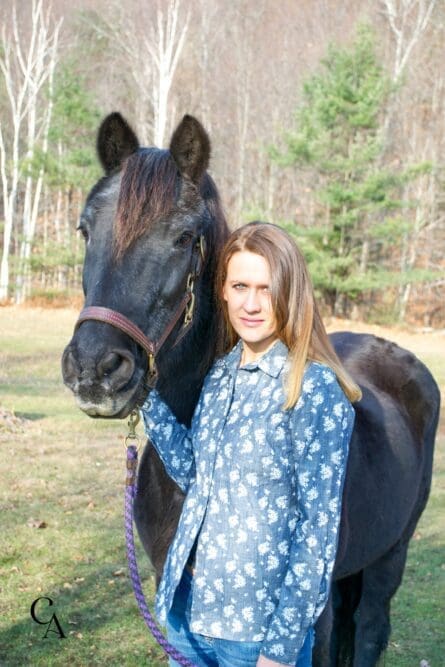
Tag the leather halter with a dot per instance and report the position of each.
(151, 347)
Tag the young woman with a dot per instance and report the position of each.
(262, 467)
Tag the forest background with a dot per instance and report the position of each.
(326, 117)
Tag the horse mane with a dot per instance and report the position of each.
(218, 231)
(147, 193)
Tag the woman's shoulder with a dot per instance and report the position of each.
(228, 361)
(322, 396)
(216, 372)
(218, 368)
(317, 374)
(321, 386)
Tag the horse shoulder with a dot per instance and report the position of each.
(392, 374)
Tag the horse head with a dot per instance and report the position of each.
(152, 227)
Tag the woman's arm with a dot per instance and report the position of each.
(171, 439)
(322, 424)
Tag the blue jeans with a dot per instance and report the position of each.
(210, 651)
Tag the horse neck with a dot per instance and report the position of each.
(183, 369)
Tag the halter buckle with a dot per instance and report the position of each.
(152, 371)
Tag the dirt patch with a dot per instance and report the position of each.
(11, 423)
(55, 301)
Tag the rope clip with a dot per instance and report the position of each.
(132, 435)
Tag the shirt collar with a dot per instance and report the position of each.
(271, 362)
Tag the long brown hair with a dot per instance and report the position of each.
(299, 323)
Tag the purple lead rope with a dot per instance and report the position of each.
(130, 493)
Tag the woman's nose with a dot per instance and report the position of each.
(252, 302)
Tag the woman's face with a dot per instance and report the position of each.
(247, 293)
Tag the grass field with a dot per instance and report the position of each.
(61, 497)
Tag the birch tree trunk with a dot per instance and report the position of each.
(408, 20)
(9, 160)
(165, 47)
(27, 64)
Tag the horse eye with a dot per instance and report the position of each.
(83, 230)
(184, 240)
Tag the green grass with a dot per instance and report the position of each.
(68, 471)
(418, 609)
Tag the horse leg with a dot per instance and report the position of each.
(157, 507)
(335, 629)
(380, 581)
(346, 601)
(321, 653)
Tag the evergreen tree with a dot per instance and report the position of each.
(71, 167)
(338, 139)
(75, 121)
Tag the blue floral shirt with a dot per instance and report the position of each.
(263, 493)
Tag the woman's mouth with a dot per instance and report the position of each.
(251, 322)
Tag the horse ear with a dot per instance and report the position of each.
(115, 142)
(190, 148)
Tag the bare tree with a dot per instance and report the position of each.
(151, 48)
(27, 64)
(408, 20)
(165, 45)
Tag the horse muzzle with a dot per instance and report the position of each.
(106, 382)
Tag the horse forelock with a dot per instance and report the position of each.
(147, 193)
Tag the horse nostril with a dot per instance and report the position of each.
(116, 368)
(70, 367)
(109, 363)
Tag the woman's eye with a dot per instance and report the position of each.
(239, 286)
(184, 240)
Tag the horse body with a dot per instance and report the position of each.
(392, 442)
(386, 489)
(394, 449)
(141, 224)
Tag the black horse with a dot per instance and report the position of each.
(153, 227)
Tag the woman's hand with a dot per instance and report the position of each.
(267, 662)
